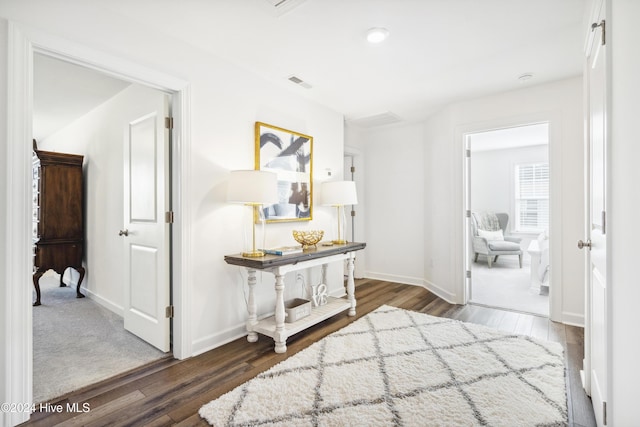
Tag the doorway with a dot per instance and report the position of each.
(23, 42)
(84, 111)
(508, 215)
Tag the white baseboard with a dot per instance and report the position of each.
(573, 319)
(212, 341)
(406, 280)
(415, 281)
(109, 305)
(445, 295)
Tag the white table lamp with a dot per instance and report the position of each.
(339, 194)
(253, 188)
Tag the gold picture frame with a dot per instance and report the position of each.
(289, 155)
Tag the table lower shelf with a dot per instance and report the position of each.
(318, 314)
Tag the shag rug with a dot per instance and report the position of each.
(395, 367)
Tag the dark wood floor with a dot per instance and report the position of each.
(170, 392)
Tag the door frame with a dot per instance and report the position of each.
(463, 259)
(468, 164)
(23, 42)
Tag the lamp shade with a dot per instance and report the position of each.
(252, 187)
(339, 193)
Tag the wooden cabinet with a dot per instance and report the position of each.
(58, 216)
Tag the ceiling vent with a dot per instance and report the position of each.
(283, 6)
(299, 81)
(376, 120)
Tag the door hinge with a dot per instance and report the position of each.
(169, 312)
(168, 217)
(468, 153)
(468, 214)
(468, 274)
(604, 222)
(353, 213)
(353, 169)
(168, 122)
(602, 24)
(604, 413)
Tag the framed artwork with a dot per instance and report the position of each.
(288, 154)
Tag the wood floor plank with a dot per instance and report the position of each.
(171, 392)
(96, 413)
(540, 328)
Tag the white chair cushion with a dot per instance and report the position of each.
(491, 235)
(502, 245)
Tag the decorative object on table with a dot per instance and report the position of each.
(339, 194)
(399, 367)
(296, 309)
(283, 250)
(308, 238)
(289, 155)
(320, 295)
(252, 188)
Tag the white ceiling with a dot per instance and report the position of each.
(64, 92)
(438, 51)
(515, 137)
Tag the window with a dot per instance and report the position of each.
(532, 197)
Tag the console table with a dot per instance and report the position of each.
(279, 265)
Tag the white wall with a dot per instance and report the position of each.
(99, 137)
(435, 259)
(560, 103)
(624, 350)
(225, 103)
(492, 177)
(394, 203)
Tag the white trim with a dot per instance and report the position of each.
(414, 281)
(406, 280)
(554, 119)
(22, 43)
(108, 304)
(18, 315)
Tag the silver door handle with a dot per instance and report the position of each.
(582, 245)
(124, 232)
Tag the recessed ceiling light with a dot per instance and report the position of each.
(524, 77)
(376, 35)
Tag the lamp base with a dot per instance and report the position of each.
(253, 254)
(339, 242)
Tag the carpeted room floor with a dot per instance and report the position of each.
(77, 342)
(505, 285)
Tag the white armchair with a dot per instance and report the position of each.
(493, 245)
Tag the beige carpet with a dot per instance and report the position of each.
(396, 367)
(505, 285)
(77, 342)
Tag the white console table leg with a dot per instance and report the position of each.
(351, 287)
(251, 306)
(280, 336)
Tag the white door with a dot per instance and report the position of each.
(146, 232)
(596, 247)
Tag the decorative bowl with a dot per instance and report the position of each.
(308, 238)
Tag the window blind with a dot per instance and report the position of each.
(532, 197)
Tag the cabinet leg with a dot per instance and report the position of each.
(351, 287)
(62, 284)
(81, 271)
(280, 336)
(251, 306)
(36, 284)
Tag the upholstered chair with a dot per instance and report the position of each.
(494, 243)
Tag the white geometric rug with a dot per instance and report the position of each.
(396, 367)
